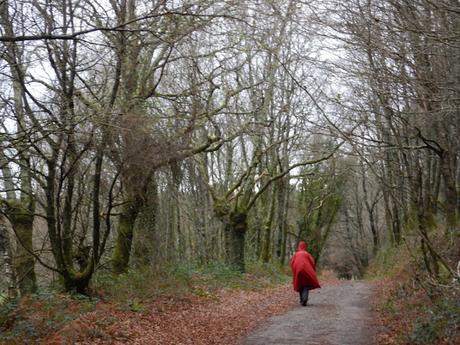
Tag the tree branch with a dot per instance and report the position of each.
(285, 172)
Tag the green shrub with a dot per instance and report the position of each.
(438, 321)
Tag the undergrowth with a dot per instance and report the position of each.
(176, 280)
(389, 262)
(411, 307)
(48, 311)
(44, 312)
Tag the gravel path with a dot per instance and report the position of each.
(335, 315)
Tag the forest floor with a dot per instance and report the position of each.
(221, 318)
(338, 313)
(229, 315)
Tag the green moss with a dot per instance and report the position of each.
(22, 221)
(121, 252)
(221, 208)
(3, 298)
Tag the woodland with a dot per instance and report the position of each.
(144, 136)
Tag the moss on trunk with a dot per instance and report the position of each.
(122, 250)
(78, 281)
(21, 219)
(235, 234)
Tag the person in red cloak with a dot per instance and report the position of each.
(303, 272)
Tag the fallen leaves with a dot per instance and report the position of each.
(199, 320)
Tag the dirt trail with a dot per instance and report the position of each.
(335, 315)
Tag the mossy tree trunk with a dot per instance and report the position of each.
(144, 232)
(22, 220)
(60, 230)
(6, 257)
(20, 208)
(235, 235)
(126, 222)
(20, 212)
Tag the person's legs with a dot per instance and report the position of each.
(307, 290)
(304, 295)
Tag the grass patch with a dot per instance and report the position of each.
(137, 286)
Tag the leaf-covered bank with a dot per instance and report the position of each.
(208, 303)
(411, 308)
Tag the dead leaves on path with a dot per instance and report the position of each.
(221, 319)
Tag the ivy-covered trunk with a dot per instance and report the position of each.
(21, 218)
(122, 250)
(235, 235)
(20, 211)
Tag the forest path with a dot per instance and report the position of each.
(336, 314)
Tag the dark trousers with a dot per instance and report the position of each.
(303, 293)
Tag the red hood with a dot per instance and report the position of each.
(302, 246)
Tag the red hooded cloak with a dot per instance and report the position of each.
(303, 269)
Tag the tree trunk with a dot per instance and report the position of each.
(258, 224)
(122, 250)
(266, 253)
(374, 231)
(78, 281)
(448, 166)
(21, 219)
(144, 236)
(5, 252)
(282, 219)
(235, 234)
(370, 206)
